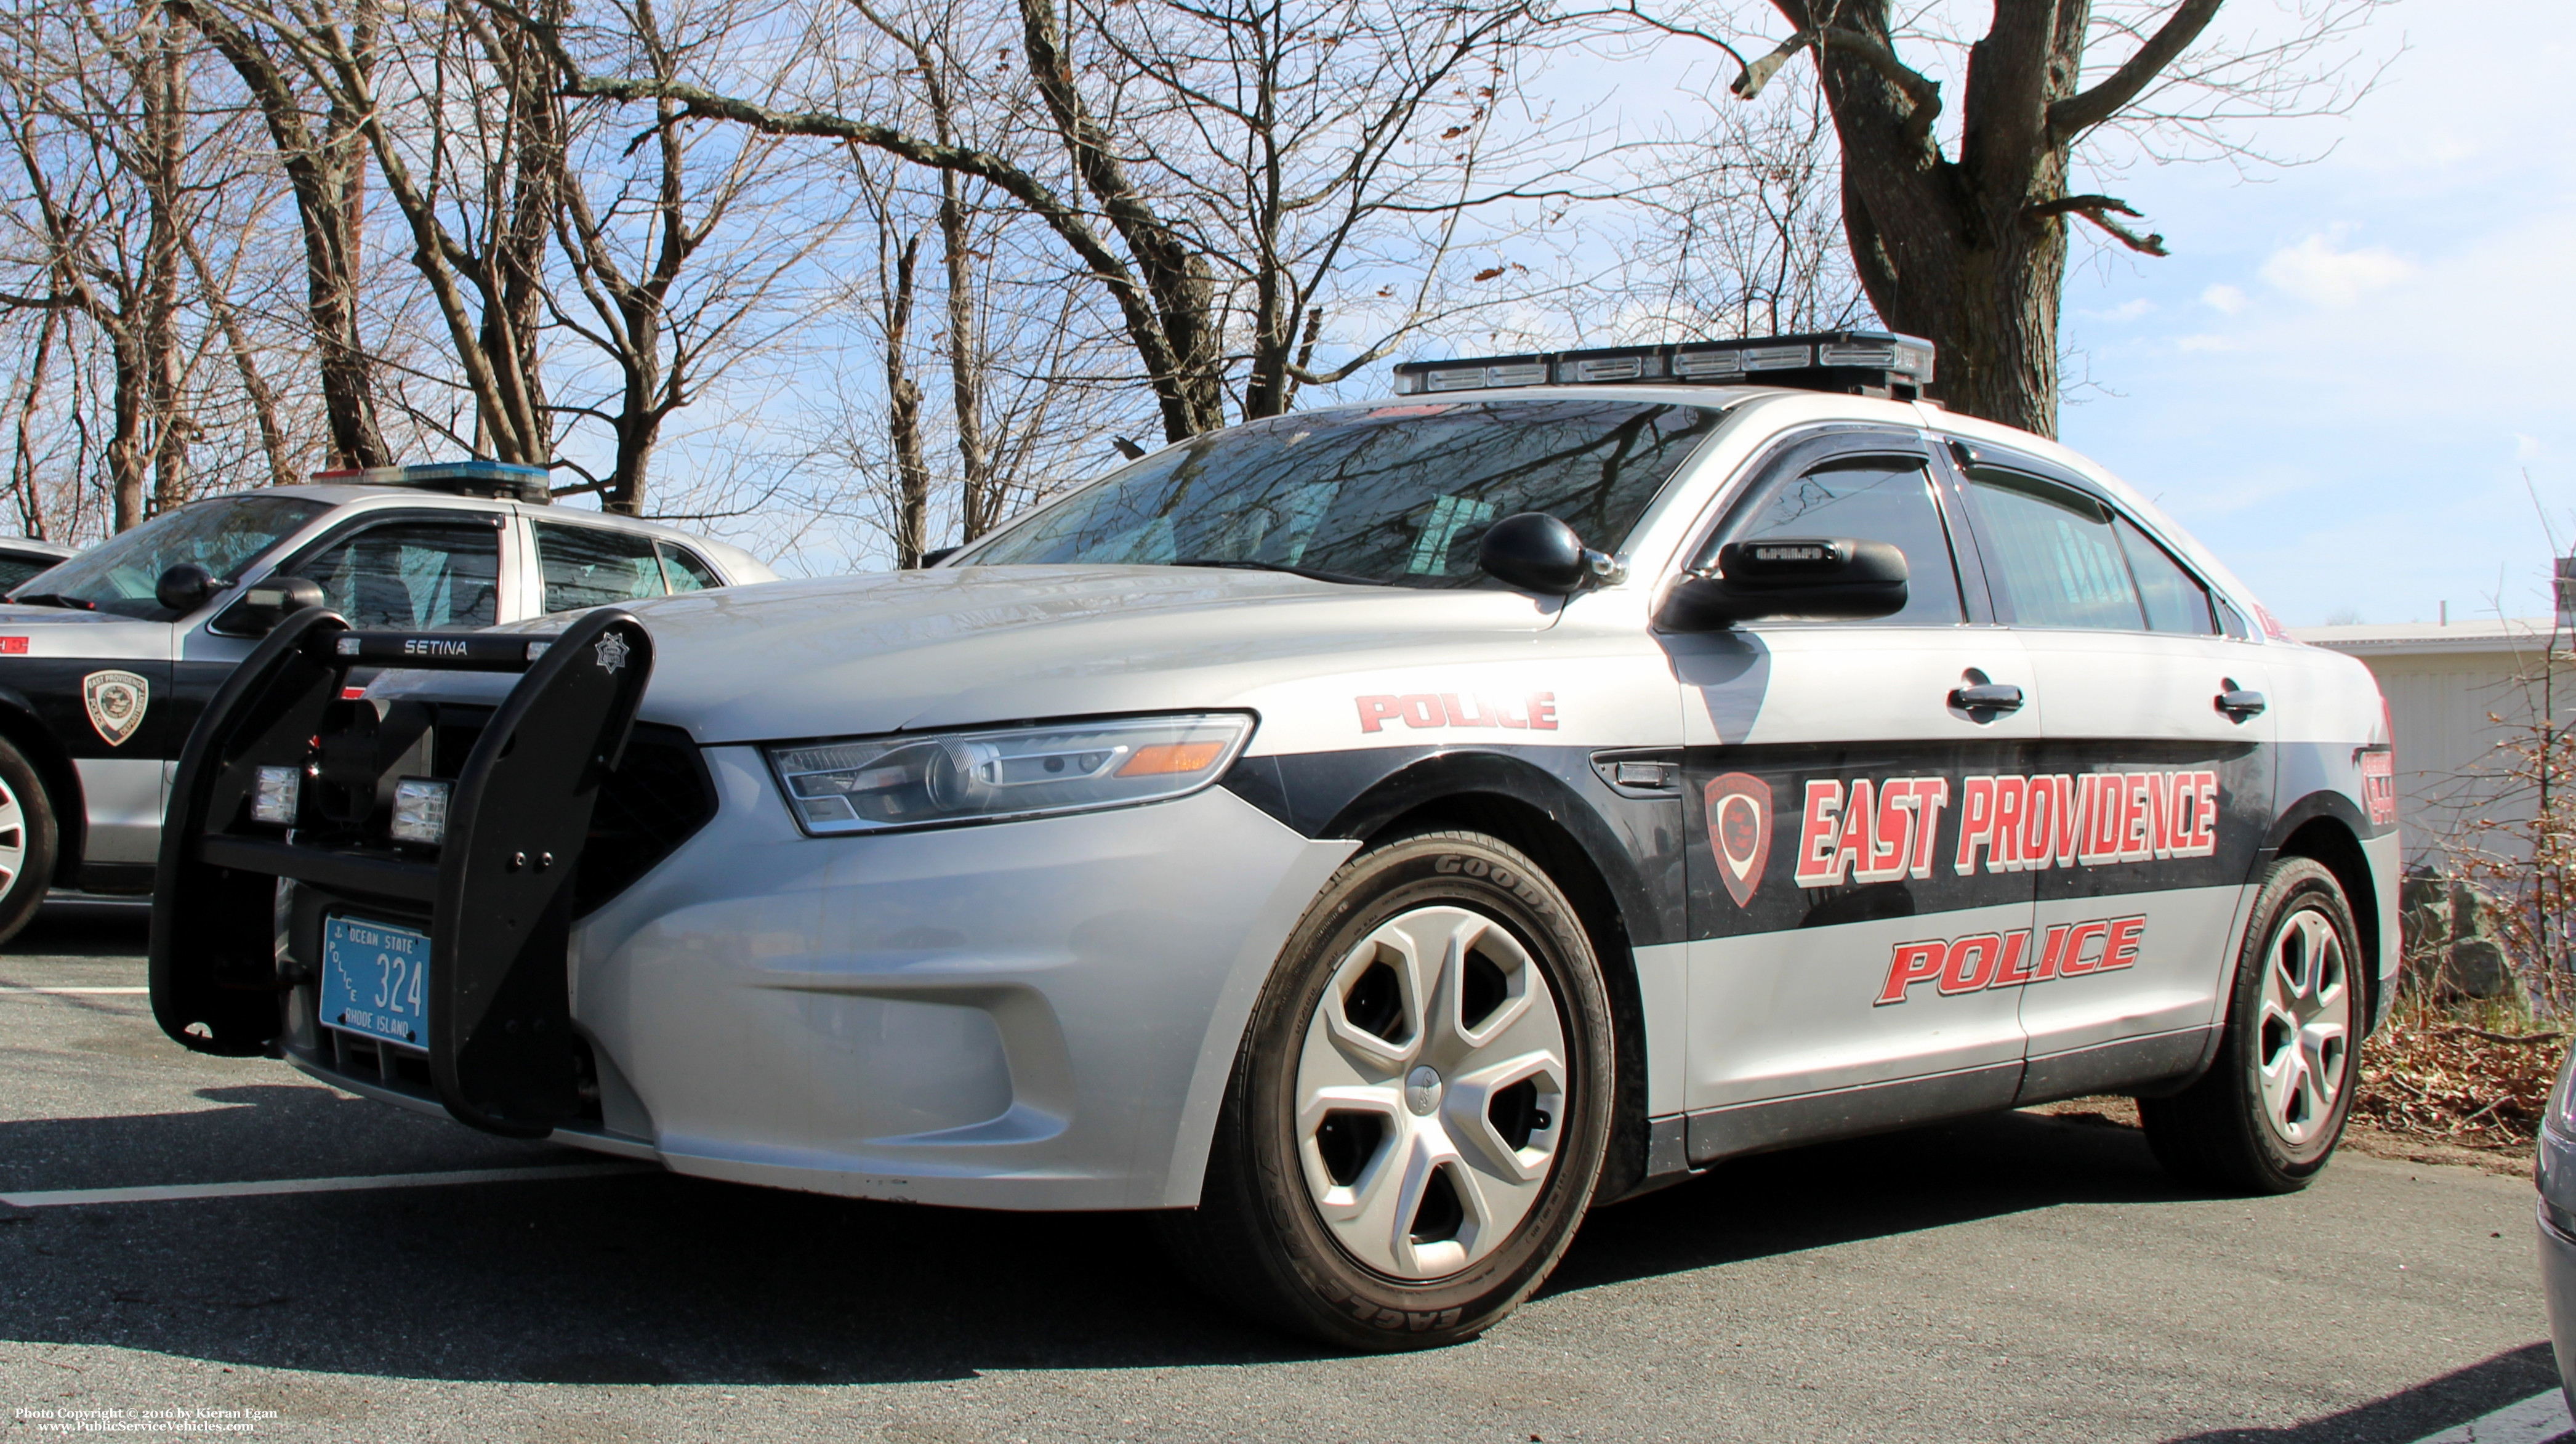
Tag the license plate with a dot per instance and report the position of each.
(375, 980)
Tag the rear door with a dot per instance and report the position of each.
(591, 566)
(1848, 968)
(2151, 789)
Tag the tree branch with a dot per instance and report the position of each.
(2099, 210)
(2081, 112)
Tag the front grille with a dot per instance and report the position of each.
(659, 795)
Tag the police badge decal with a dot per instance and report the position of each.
(116, 702)
(1739, 831)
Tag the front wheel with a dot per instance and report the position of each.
(2268, 1114)
(27, 841)
(1419, 1111)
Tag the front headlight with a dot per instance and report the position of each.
(875, 783)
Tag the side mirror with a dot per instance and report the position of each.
(185, 587)
(1538, 553)
(265, 604)
(1826, 578)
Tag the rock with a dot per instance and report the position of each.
(2475, 968)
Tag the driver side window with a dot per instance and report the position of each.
(1864, 498)
(414, 576)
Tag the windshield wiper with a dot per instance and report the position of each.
(1311, 573)
(53, 599)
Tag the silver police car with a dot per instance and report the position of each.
(1367, 837)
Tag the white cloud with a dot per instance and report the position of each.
(2126, 311)
(2206, 342)
(2314, 271)
(2225, 300)
(2527, 447)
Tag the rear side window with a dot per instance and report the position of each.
(2061, 560)
(16, 570)
(411, 576)
(684, 572)
(1878, 498)
(593, 566)
(2174, 599)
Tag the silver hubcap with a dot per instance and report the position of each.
(2305, 1026)
(13, 838)
(1431, 1093)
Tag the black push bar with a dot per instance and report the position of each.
(498, 894)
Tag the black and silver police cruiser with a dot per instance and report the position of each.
(1369, 836)
(107, 658)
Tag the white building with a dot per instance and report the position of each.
(2447, 686)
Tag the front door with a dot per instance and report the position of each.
(1852, 964)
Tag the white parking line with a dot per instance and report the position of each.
(164, 1193)
(74, 990)
(2535, 1420)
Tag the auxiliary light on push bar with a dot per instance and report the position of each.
(1865, 363)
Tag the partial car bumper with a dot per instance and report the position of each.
(2557, 1229)
(1035, 1015)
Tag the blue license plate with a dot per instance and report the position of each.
(375, 980)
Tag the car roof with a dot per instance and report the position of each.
(738, 564)
(29, 546)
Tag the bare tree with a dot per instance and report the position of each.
(1220, 173)
(96, 112)
(323, 157)
(1733, 229)
(1960, 234)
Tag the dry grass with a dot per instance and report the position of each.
(2467, 1077)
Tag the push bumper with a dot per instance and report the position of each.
(232, 949)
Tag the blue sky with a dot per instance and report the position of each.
(2343, 374)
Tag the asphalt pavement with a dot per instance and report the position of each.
(2016, 1277)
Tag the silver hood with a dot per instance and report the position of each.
(850, 656)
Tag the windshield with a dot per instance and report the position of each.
(120, 574)
(1397, 494)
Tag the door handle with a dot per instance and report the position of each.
(1987, 697)
(2240, 704)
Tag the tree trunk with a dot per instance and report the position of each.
(979, 497)
(903, 421)
(1990, 305)
(125, 460)
(164, 96)
(22, 457)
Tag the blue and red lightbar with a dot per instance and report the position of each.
(475, 477)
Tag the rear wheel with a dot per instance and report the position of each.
(2267, 1115)
(1420, 1107)
(27, 841)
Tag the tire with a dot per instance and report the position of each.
(29, 841)
(2267, 1115)
(1409, 1219)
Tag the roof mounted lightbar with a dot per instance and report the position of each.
(474, 477)
(1861, 363)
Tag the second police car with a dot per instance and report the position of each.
(1369, 837)
(107, 658)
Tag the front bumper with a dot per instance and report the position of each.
(2556, 1226)
(1034, 1014)
(1037, 1014)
